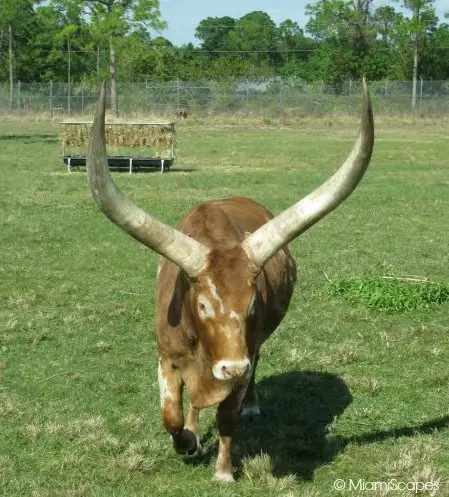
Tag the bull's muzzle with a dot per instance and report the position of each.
(229, 370)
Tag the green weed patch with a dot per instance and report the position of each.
(389, 293)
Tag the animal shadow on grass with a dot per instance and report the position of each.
(297, 409)
(149, 169)
(38, 138)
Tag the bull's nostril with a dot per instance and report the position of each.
(235, 371)
(226, 370)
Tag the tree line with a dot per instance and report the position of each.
(88, 40)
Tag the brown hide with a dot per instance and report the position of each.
(221, 225)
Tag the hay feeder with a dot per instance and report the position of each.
(123, 140)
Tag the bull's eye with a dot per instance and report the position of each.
(205, 308)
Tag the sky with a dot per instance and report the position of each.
(183, 16)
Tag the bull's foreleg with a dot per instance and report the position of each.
(193, 424)
(228, 413)
(171, 387)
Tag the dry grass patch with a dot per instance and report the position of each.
(346, 353)
(299, 356)
(258, 470)
(416, 463)
(134, 421)
(6, 468)
(139, 456)
(365, 383)
(102, 346)
(74, 491)
(9, 404)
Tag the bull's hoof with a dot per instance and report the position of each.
(198, 448)
(185, 443)
(223, 478)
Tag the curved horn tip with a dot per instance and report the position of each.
(367, 108)
(365, 87)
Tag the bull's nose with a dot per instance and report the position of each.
(227, 370)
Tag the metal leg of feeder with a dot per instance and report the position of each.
(69, 167)
(162, 165)
(130, 165)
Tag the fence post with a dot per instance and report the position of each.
(178, 100)
(385, 93)
(69, 103)
(51, 99)
(18, 97)
(82, 99)
(146, 94)
(349, 94)
(69, 75)
(421, 93)
(98, 61)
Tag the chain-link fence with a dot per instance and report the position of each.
(272, 98)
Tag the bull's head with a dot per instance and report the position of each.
(222, 282)
(223, 299)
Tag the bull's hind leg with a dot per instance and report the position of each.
(250, 405)
(170, 386)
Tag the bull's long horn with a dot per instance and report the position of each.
(187, 253)
(271, 237)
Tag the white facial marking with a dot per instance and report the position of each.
(213, 291)
(235, 315)
(163, 388)
(219, 368)
(227, 331)
(205, 308)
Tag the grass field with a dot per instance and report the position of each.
(346, 392)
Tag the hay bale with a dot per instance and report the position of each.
(160, 137)
(75, 135)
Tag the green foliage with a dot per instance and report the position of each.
(213, 32)
(342, 40)
(383, 291)
(17, 15)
